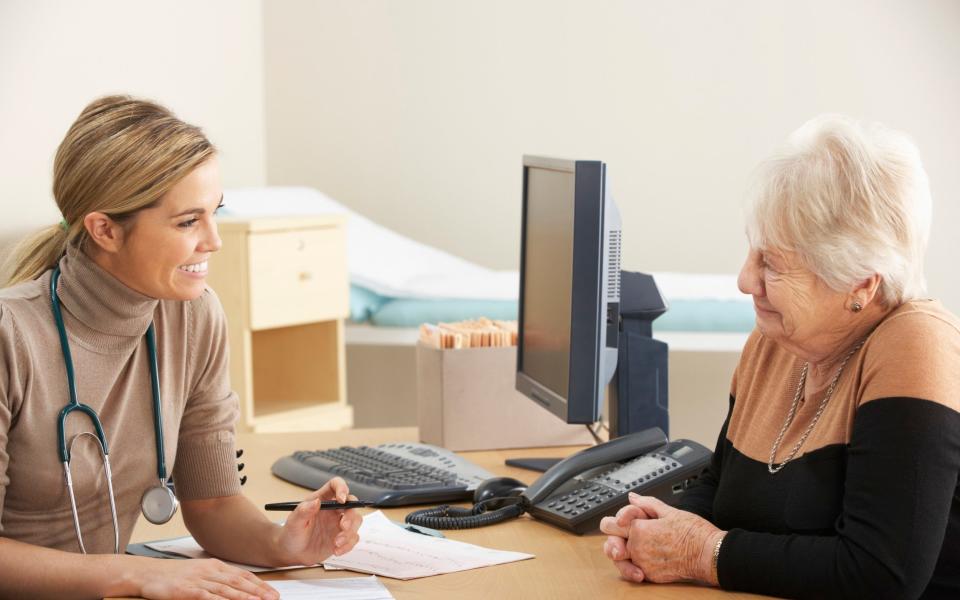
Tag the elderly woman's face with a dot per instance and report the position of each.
(792, 304)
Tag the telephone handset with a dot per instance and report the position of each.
(580, 490)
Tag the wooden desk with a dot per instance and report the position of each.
(566, 565)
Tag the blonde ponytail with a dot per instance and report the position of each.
(36, 254)
(120, 156)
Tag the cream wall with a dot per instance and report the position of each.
(416, 113)
(202, 59)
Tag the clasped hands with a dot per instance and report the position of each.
(649, 540)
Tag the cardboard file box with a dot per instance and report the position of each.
(466, 401)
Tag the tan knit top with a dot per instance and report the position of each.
(911, 353)
(106, 322)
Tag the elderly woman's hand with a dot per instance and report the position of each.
(656, 542)
(618, 529)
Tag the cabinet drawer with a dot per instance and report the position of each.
(297, 276)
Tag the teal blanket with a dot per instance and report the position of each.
(683, 314)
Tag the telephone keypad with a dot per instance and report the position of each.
(606, 486)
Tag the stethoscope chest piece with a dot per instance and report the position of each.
(158, 504)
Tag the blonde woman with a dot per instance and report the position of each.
(836, 472)
(113, 379)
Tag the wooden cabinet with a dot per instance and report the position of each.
(284, 285)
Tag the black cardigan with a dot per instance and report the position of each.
(876, 518)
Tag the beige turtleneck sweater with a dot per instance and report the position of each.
(106, 322)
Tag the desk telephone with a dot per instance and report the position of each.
(577, 492)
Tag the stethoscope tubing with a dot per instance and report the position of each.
(90, 412)
(157, 415)
(71, 381)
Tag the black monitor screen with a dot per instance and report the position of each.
(548, 278)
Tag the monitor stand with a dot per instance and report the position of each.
(638, 392)
(532, 464)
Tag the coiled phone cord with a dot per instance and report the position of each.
(452, 517)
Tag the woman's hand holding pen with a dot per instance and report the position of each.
(310, 535)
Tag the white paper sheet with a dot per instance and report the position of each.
(355, 588)
(390, 551)
(189, 548)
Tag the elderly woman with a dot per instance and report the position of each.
(836, 471)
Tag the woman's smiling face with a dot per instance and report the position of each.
(166, 247)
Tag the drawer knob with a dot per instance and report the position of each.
(305, 276)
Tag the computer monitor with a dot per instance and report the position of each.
(569, 287)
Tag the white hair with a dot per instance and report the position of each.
(852, 200)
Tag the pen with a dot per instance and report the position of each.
(325, 505)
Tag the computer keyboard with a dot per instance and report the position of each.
(396, 474)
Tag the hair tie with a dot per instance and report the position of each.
(64, 225)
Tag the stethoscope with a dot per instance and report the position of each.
(158, 503)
